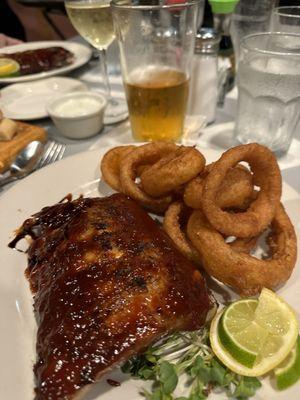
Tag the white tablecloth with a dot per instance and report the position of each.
(217, 136)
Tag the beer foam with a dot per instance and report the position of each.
(155, 73)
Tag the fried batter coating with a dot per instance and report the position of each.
(235, 191)
(110, 166)
(146, 154)
(172, 224)
(246, 274)
(172, 171)
(260, 213)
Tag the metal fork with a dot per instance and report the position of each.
(54, 152)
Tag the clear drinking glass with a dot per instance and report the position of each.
(269, 88)
(249, 17)
(93, 21)
(286, 19)
(156, 40)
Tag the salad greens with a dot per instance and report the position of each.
(187, 359)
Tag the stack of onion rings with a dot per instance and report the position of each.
(214, 214)
(163, 168)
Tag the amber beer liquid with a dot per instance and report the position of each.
(157, 100)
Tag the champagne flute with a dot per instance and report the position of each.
(93, 21)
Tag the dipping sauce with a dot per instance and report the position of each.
(77, 107)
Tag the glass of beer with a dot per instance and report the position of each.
(156, 41)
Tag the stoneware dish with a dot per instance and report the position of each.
(78, 115)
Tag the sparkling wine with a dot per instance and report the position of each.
(93, 21)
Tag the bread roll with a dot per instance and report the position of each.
(25, 133)
(8, 129)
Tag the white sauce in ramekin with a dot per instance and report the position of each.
(77, 107)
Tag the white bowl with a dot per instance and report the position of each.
(78, 115)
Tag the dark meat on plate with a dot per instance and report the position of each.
(41, 60)
(107, 282)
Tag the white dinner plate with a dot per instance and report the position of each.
(27, 101)
(82, 55)
(77, 174)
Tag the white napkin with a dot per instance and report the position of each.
(192, 129)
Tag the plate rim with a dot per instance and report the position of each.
(93, 170)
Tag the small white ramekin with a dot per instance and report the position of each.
(82, 126)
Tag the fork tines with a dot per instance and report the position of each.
(53, 152)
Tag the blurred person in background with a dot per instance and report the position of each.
(8, 41)
(41, 19)
(10, 26)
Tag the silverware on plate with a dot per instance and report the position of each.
(54, 152)
(32, 158)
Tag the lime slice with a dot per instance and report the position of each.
(8, 68)
(288, 372)
(251, 340)
(239, 333)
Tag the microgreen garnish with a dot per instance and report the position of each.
(186, 359)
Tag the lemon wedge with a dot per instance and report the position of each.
(8, 68)
(252, 337)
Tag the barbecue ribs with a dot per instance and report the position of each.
(41, 60)
(107, 282)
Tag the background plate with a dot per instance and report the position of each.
(27, 101)
(76, 174)
(82, 55)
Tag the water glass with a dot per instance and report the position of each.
(286, 19)
(249, 17)
(156, 40)
(268, 90)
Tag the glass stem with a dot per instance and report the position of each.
(103, 62)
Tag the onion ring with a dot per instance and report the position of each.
(176, 216)
(145, 154)
(246, 274)
(192, 195)
(243, 245)
(172, 171)
(235, 191)
(110, 166)
(262, 210)
(173, 226)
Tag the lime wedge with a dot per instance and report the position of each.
(8, 68)
(252, 337)
(288, 372)
(239, 333)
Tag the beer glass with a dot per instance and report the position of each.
(156, 41)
